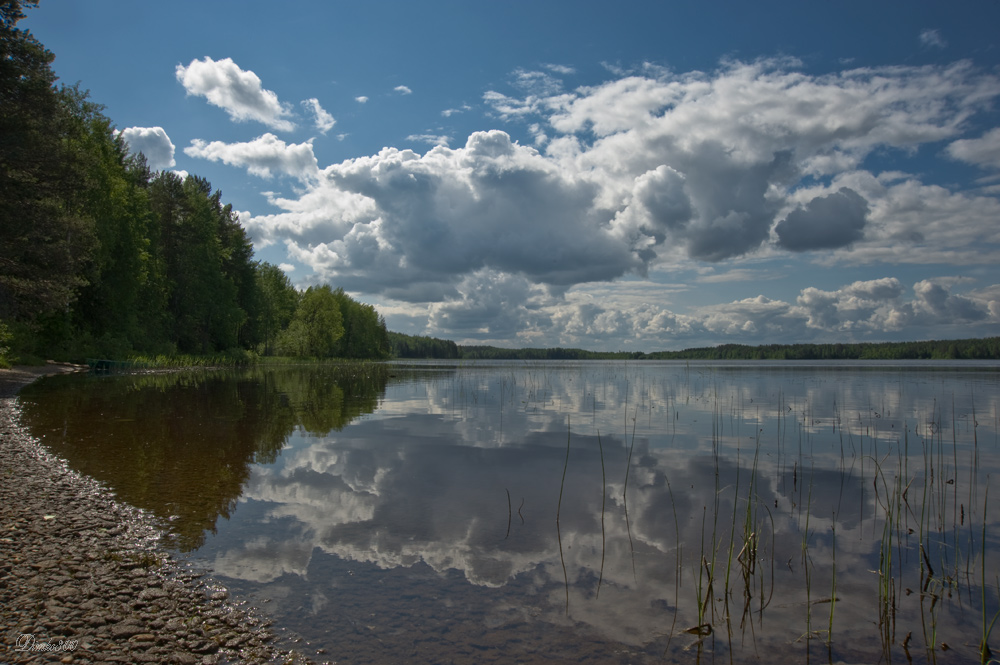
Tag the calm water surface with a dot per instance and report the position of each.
(577, 512)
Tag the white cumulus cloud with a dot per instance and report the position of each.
(236, 91)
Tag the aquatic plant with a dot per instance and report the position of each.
(562, 484)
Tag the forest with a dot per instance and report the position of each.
(102, 257)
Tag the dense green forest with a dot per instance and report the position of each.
(102, 257)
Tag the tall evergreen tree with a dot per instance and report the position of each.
(11, 11)
(204, 298)
(113, 306)
(45, 238)
(204, 260)
(365, 335)
(240, 269)
(278, 301)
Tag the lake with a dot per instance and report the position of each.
(570, 512)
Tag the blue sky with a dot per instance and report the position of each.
(637, 175)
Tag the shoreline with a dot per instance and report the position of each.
(84, 577)
(14, 378)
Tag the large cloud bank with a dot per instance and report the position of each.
(647, 173)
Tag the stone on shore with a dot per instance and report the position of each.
(83, 578)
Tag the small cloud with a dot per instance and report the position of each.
(324, 121)
(450, 112)
(403, 90)
(432, 139)
(615, 69)
(152, 142)
(660, 72)
(286, 267)
(738, 275)
(932, 39)
(560, 69)
(361, 99)
(541, 138)
(540, 84)
(507, 108)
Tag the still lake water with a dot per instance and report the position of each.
(571, 512)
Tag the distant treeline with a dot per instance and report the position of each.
(966, 349)
(496, 353)
(973, 349)
(102, 257)
(414, 346)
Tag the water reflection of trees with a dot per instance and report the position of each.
(180, 444)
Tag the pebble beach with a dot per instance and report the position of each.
(84, 579)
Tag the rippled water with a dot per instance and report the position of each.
(571, 511)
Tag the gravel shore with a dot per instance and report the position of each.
(83, 578)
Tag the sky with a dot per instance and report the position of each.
(613, 176)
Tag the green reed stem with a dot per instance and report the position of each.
(833, 580)
(509, 513)
(562, 484)
(604, 498)
(984, 649)
(628, 525)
